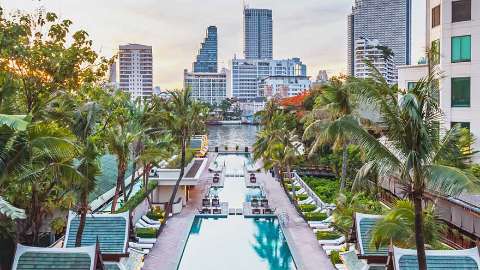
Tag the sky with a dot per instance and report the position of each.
(314, 30)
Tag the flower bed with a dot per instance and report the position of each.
(146, 232)
(326, 235)
(289, 187)
(326, 189)
(302, 197)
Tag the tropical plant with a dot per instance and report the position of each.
(411, 149)
(338, 100)
(398, 227)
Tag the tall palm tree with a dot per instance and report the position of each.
(337, 99)
(182, 116)
(84, 122)
(411, 148)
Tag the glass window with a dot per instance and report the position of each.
(461, 124)
(411, 85)
(436, 16)
(461, 49)
(461, 10)
(460, 92)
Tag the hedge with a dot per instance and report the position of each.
(301, 197)
(326, 235)
(335, 257)
(289, 187)
(146, 232)
(136, 199)
(307, 207)
(326, 189)
(318, 216)
(156, 214)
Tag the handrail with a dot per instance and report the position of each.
(309, 191)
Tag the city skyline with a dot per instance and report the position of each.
(174, 35)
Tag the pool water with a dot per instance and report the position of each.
(236, 242)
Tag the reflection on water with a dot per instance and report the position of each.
(232, 135)
(236, 243)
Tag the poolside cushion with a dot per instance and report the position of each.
(83, 258)
(364, 225)
(467, 259)
(111, 230)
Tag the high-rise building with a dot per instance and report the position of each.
(258, 33)
(207, 87)
(206, 83)
(453, 35)
(388, 21)
(207, 55)
(135, 67)
(379, 56)
(247, 74)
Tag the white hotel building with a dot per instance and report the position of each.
(454, 28)
(136, 70)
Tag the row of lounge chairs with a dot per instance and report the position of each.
(208, 211)
(144, 245)
(206, 202)
(265, 211)
(259, 203)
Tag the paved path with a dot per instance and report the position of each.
(302, 241)
(167, 252)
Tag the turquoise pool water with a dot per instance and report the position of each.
(236, 242)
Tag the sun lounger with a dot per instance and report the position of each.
(329, 229)
(206, 202)
(264, 203)
(256, 211)
(329, 249)
(139, 246)
(333, 242)
(268, 211)
(351, 262)
(146, 240)
(319, 209)
(205, 211)
(217, 211)
(306, 201)
(146, 225)
(215, 202)
(141, 251)
(138, 225)
(150, 221)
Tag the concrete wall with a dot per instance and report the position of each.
(162, 194)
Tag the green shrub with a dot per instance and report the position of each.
(136, 199)
(335, 257)
(289, 187)
(146, 232)
(318, 216)
(307, 207)
(475, 169)
(302, 197)
(326, 235)
(156, 214)
(326, 189)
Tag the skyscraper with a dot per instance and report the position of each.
(207, 55)
(379, 56)
(258, 33)
(136, 75)
(388, 21)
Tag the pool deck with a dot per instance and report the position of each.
(302, 241)
(168, 250)
(303, 244)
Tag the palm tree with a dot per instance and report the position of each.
(84, 121)
(337, 100)
(411, 148)
(398, 226)
(182, 116)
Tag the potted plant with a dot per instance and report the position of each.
(226, 148)
(237, 147)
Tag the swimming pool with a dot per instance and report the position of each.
(236, 242)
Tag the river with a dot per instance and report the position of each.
(232, 135)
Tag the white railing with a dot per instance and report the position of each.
(309, 191)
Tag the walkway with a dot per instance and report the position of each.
(166, 254)
(302, 241)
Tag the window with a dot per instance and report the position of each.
(461, 10)
(436, 16)
(411, 85)
(460, 92)
(461, 124)
(461, 49)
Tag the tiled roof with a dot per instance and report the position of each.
(82, 258)
(111, 230)
(467, 259)
(364, 225)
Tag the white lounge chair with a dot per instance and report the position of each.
(329, 229)
(141, 251)
(333, 242)
(140, 246)
(319, 209)
(318, 225)
(146, 225)
(150, 221)
(139, 226)
(306, 201)
(146, 240)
